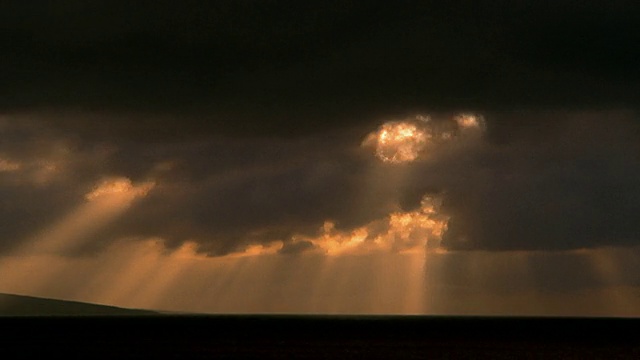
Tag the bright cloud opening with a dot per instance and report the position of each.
(399, 141)
(405, 141)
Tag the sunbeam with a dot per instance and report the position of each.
(105, 203)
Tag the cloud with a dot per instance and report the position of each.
(565, 181)
(297, 247)
(8, 165)
(225, 193)
(185, 72)
(572, 188)
(420, 137)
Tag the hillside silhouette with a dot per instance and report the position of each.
(20, 305)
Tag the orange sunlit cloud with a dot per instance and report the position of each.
(399, 141)
(405, 141)
(414, 232)
(259, 249)
(399, 232)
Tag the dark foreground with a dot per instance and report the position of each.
(321, 337)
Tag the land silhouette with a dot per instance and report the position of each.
(21, 305)
(40, 327)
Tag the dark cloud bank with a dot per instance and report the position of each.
(250, 117)
(575, 187)
(290, 67)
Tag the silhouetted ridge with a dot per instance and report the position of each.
(19, 305)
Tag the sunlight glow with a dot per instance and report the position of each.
(469, 121)
(259, 249)
(145, 274)
(399, 141)
(405, 141)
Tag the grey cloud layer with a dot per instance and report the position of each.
(223, 193)
(573, 185)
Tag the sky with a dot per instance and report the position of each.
(456, 158)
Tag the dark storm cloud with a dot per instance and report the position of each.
(261, 67)
(37, 190)
(229, 194)
(574, 187)
(223, 193)
(567, 185)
